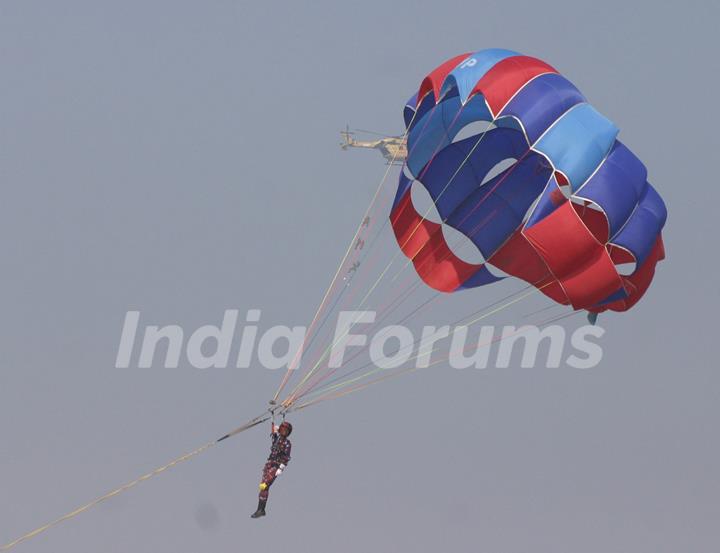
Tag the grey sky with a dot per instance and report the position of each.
(181, 158)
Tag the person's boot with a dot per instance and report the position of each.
(260, 510)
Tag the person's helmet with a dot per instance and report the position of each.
(287, 426)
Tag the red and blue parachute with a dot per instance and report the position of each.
(572, 209)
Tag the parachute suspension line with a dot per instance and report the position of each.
(323, 393)
(321, 378)
(296, 358)
(293, 394)
(338, 395)
(187, 456)
(369, 260)
(358, 231)
(470, 323)
(407, 370)
(394, 304)
(287, 402)
(319, 328)
(517, 331)
(352, 282)
(385, 311)
(532, 291)
(543, 309)
(389, 305)
(318, 357)
(561, 317)
(359, 387)
(341, 379)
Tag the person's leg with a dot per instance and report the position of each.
(268, 477)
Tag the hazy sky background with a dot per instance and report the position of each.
(181, 158)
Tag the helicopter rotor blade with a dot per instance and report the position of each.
(375, 133)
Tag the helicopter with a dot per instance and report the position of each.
(393, 148)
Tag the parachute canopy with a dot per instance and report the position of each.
(568, 214)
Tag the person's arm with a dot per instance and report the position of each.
(274, 436)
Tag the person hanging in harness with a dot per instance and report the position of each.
(276, 463)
